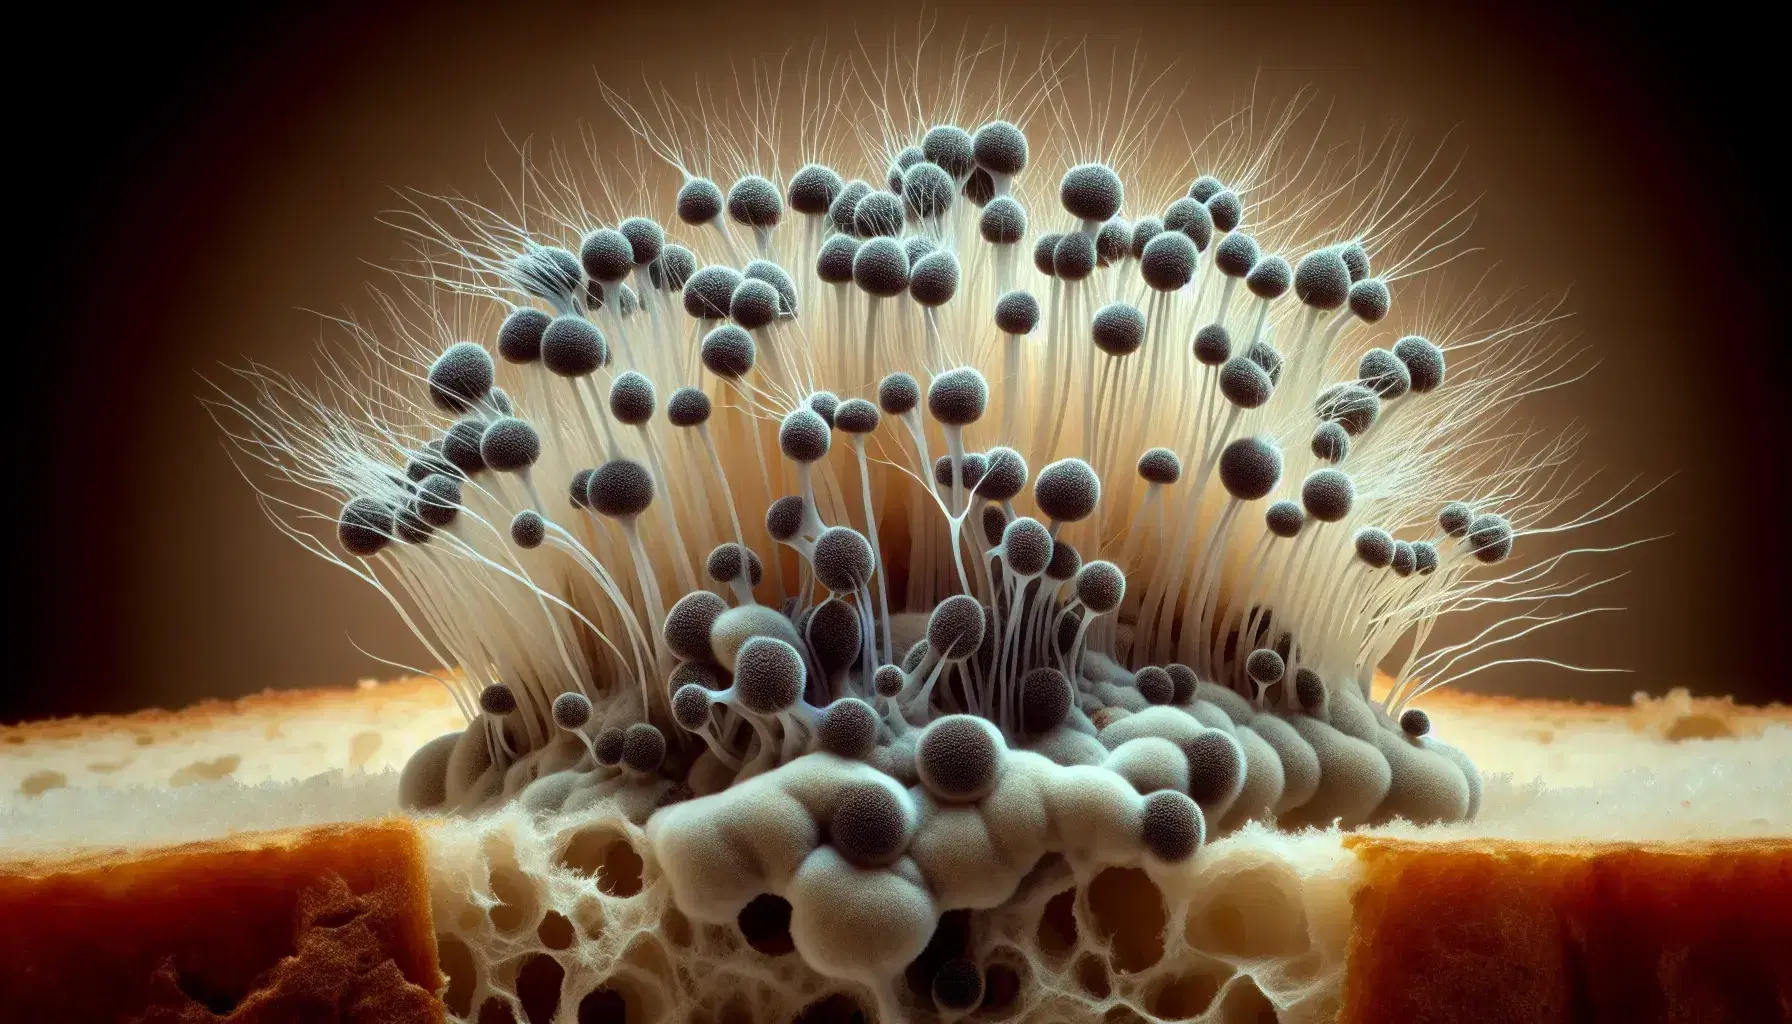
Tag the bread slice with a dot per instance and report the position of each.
(1627, 864)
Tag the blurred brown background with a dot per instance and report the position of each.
(203, 182)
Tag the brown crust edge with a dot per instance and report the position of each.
(1499, 930)
(333, 920)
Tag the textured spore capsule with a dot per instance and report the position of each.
(1236, 255)
(688, 407)
(1000, 148)
(755, 202)
(519, 336)
(460, 378)
(880, 267)
(607, 255)
(1192, 219)
(620, 488)
(1091, 192)
(1327, 494)
(699, 201)
(958, 397)
(1250, 467)
(1003, 222)
(1118, 329)
(813, 189)
(1159, 466)
(1067, 490)
(709, 292)
(957, 758)
(572, 346)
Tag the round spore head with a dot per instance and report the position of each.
(1172, 826)
(1327, 494)
(549, 273)
(1264, 666)
(958, 397)
(1026, 546)
(1424, 557)
(1091, 192)
(1270, 278)
(528, 529)
(1424, 362)
(1321, 280)
(607, 748)
(1017, 313)
(499, 399)
(841, 210)
(857, 416)
(754, 304)
(842, 559)
(460, 378)
(646, 239)
(1066, 562)
(1113, 242)
(956, 627)
(1213, 345)
(1375, 546)
(709, 293)
(1250, 467)
(643, 748)
(880, 267)
(935, 279)
(728, 351)
(1244, 383)
(1204, 187)
(1236, 255)
(572, 346)
(1382, 372)
(1370, 300)
(970, 470)
(687, 624)
(1000, 148)
(519, 336)
(1118, 329)
(1004, 474)
(1309, 691)
(813, 189)
(927, 190)
(1160, 466)
(917, 246)
(571, 710)
(1143, 232)
(410, 526)
(898, 394)
(1403, 561)
(497, 699)
(784, 517)
(439, 499)
(1044, 700)
(1184, 681)
(579, 490)
(699, 201)
(1490, 538)
(509, 445)
(1192, 219)
(1414, 722)
(1043, 248)
(1227, 209)
(672, 269)
(1454, 518)
(779, 279)
(958, 985)
(768, 675)
(754, 201)
(878, 215)
(869, 825)
(848, 728)
(688, 407)
(1100, 586)
(1284, 519)
(994, 521)
(804, 436)
(460, 446)
(1356, 260)
(690, 707)
(1353, 406)
(888, 680)
(1330, 442)
(620, 488)
(1213, 765)
(723, 564)
(607, 255)
(833, 264)
(1073, 257)
(1003, 221)
(364, 526)
(1067, 490)
(1153, 684)
(632, 398)
(951, 148)
(957, 758)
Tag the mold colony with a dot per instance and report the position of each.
(1075, 519)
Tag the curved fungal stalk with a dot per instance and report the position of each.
(1009, 300)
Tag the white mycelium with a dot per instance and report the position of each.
(1080, 504)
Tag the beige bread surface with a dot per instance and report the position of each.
(571, 918)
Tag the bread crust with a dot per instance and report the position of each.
(329, 923)
(1494, 931)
